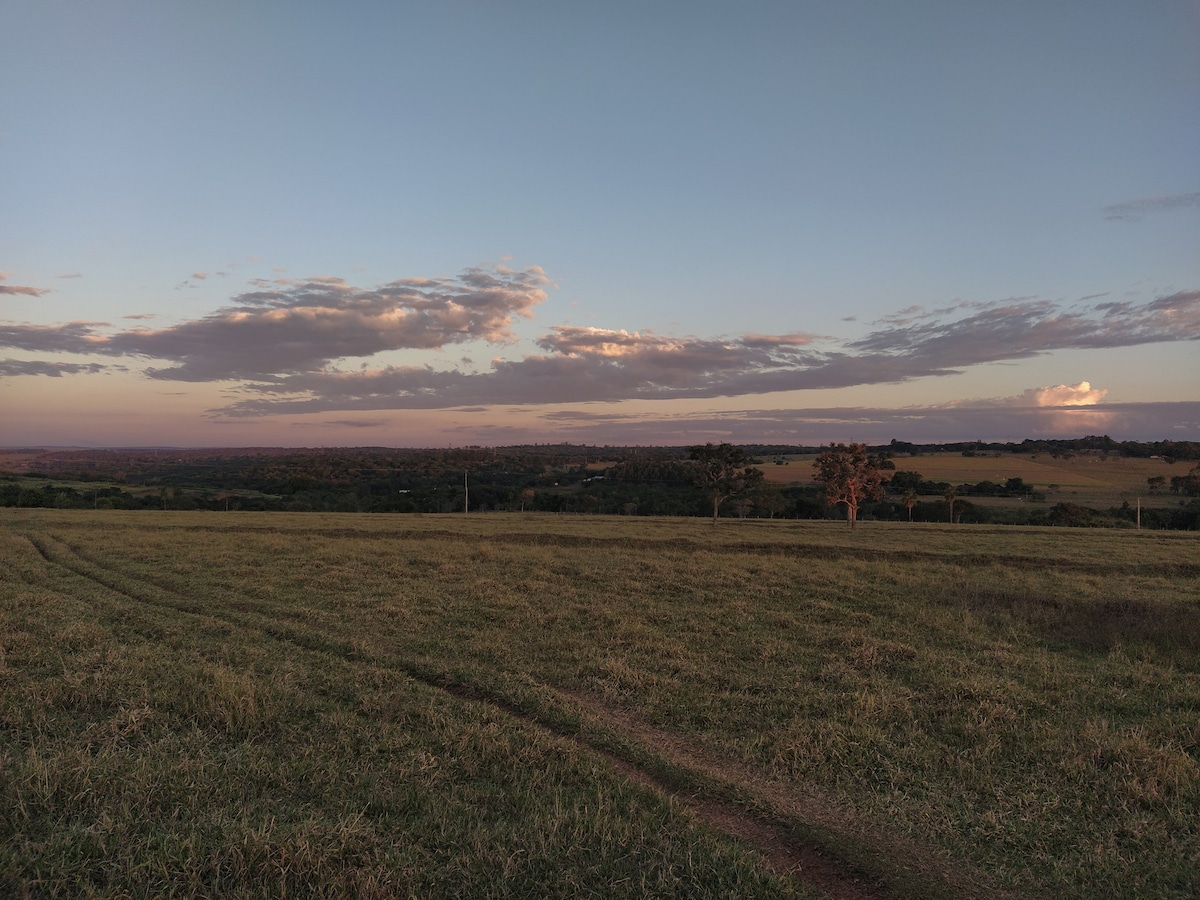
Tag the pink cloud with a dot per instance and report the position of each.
(20, 289)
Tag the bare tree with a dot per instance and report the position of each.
(723, 470)
(850, 475)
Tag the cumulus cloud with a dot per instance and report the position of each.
(1134, 210)
(1082, 394)
(1058, 395)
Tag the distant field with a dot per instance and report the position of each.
(17, 460)
(1084, 479)
(237, 704)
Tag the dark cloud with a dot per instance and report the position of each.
(1134, 210)
(74, 337)
(294, 327)
(355, 423)
(289, 327)
(1029, 328)
(11, 367)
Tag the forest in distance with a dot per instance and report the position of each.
(1091, 481)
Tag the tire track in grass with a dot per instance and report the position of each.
(788, 832)
(162, 596)
(907, 869)
(772, 839)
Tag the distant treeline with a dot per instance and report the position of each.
(560, 478)
(1181, 450)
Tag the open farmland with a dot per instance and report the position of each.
(1086, 479)
(507, 705)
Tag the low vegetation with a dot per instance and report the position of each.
(233, 704)
(1092, 482)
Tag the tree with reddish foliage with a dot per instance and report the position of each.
(850, 475)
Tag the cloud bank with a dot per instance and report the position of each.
(284, 344)
(592, 364)
(871, 425)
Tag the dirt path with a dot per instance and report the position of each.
(774, 825)
(786, 849)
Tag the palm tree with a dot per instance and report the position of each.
(951, 494)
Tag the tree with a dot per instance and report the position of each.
(951, 496)
(910, 500)
(723, 470)
(850, 475)
(771, 501)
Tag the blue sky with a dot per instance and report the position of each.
(421, 224)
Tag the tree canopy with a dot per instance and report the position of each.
(850, 475)
(723, 470)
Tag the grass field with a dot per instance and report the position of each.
(210, 704)
(1084, 479)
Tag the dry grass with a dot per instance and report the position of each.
(1084, 479)
(243, 704)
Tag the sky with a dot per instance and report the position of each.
(454, 223)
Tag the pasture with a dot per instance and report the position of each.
(505, 705)
(1087, 479)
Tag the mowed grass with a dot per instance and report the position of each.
(505, 705)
